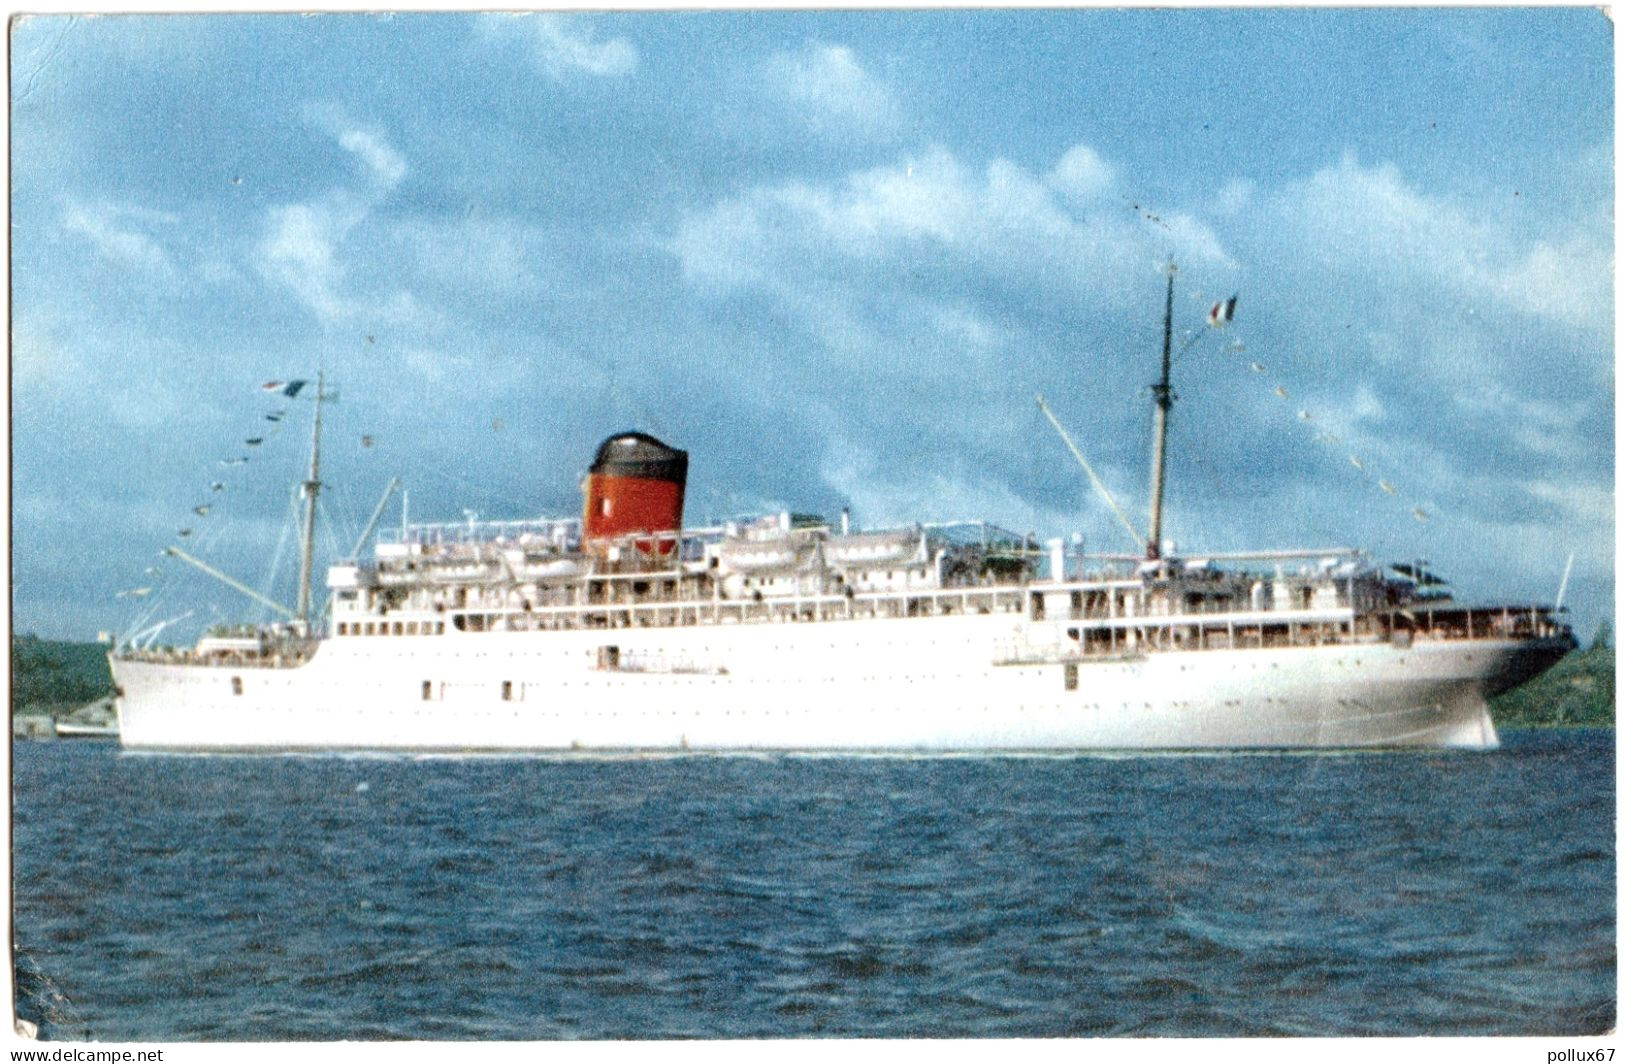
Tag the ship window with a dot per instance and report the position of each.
(411, 628)
(398, 628)
(236, 685)
(507, 690)
(344, 629)
(428, 690)
(603, 507)
(1071, 676)
(370, 628)
(439, 627)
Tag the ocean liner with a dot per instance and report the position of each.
(622, 631)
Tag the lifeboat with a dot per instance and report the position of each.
(749, 556)
(873, 549)
(556, 569)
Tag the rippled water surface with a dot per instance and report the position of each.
(178, 898)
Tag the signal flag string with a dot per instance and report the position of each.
(191, 526)
(1220, 317)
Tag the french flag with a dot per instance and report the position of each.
(1223, 312)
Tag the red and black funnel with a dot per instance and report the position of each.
(635, 485)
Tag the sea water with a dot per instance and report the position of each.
(161, 898)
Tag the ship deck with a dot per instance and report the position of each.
(1058, 622)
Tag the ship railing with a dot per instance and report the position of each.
(662, 612)
(548, 530)
(1473, 622)
(975, 534)
(1093, 640)
(1129, 637)
(618, 603)
(277, 656)
(650, 610)
(1107, 638)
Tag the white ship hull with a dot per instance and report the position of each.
(923, 685)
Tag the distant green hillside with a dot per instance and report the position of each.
(1578, 691)
(47, 674)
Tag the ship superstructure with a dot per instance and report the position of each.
(622, 631)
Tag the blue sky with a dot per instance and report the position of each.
(833, 256)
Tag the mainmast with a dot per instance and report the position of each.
(1163, 393)
(311, 486)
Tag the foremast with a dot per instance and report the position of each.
(310, 488)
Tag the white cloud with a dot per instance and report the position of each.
(41, 359)
(925, 199)
(1236, 194)
(1539, 427)
(881, 498)
(827, 86)
(1369, 219)
(1569, 282)
(120, 234)
(434, 366)
(502, 256)
(1585, 505)
(1367, 406)
(301, 243)
(563, 45)
(964, 325)
(146, 408)
(385, 162)
(298, 252)
(1083, 176)
(152, 246)
(1003, 222)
